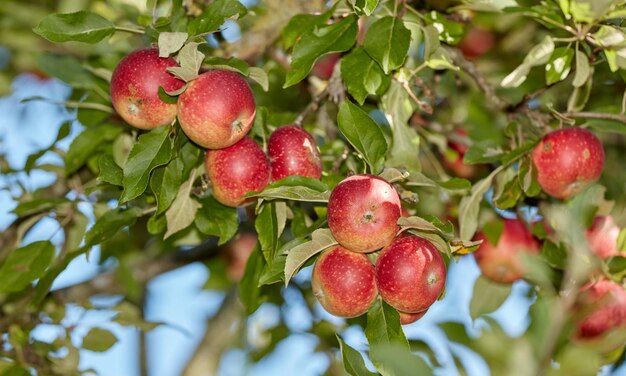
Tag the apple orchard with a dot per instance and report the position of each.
(353, 153)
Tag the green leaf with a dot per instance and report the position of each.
(582, 69)
(352, 360)
(488, 296)
(259, 76)
(397, 105)
(559, 65)
(431, 41)
(337, 37)
(450, 32)
(387, 41)
(363, 134)
(384, 328)
(298, 255)
(507, 191)
(231, 63)
(153, 149)
(98, 340)
(87, 143)
(362, 75)
(295, 188)
(393, 359)
(301, 23)
(580, 95)
(441, 59)
(217, 219)
(269, 225)
(171, 42)
(214, 15)
(470, 205)
(538, 55)
(609, 36)
(589, 10)
(82, 26)
(37, 205)
(485, 151)
(24, 265)
(109, 224)
(110, 172)
(183, 210)
(249, 291)
(364, 7)
(189, 60)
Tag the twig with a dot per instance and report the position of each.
(596, 115)
(129, 30)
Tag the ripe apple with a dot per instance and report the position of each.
(343, 282)
(293, 151)
(567, 161)
(603, 307)
(217, 109)
(237, 170)
(409, 318)
(502, 262)
(456, 164)
(236, 253)
(602, 237)
(410, 274)
(362, 213)
(476, 42)
(135, 89)
(324, 66)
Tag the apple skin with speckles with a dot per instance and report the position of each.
(237, 170)
(343, 282)
(293, 151)
(602, 305)
(135, 89)
(363, 212)
(217, 109)
(409, 318)
(567, 161)
(410, 274)
(502, 262)
(602, 237)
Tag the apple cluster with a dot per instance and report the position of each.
(409, 273)
(216, 111)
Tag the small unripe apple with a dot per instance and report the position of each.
(135, 89)
(567, 161)
(237, 170)
(476, 43)
(217, 109)
(409, 318)
(324, 66)
(503, 262)
(602, 237)
(603, 304)
(236, 253)
(410, 274)
(293, 151)
(363, 212)
(343, 282)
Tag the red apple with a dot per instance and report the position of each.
(410, 274)
(456, 164)
(362, 213)
(602, 237)
(135, 89)
(502, 262)
(217, 109)
(567, 161)
(324, 66)
(293, 151)
(476, 42)
(343, 282)
(236, 253)
(409, 318)
(237, 170)
(603, 306)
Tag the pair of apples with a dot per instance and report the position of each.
(216, 111)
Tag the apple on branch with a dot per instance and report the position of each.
(293, 151)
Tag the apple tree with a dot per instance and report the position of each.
(351, 152)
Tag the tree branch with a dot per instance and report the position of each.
(596, 115)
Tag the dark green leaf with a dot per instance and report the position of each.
(249, 291)
(87, 143)
(617, 265)
(507, 191)
(268, 229)
(384, 329)
(298, 255)
(450, 32)
(301, 23)
(470, 205)
(214, 15)
(352, 360)
(82, 26)
(362, 75)
(37, 205)
(387, 41)
(275, 272)
(455, 184)
(232, 63)
(485, 151)
(25, 264)
(98, 340)
(364, 7)
(296, 188)
(109, 224)
(217, 219)
(559, 65)
(394, 359)
(363, 134)
(182, 212)
(110, 172)
(487, 296)
(314, 43)
(153, 149)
